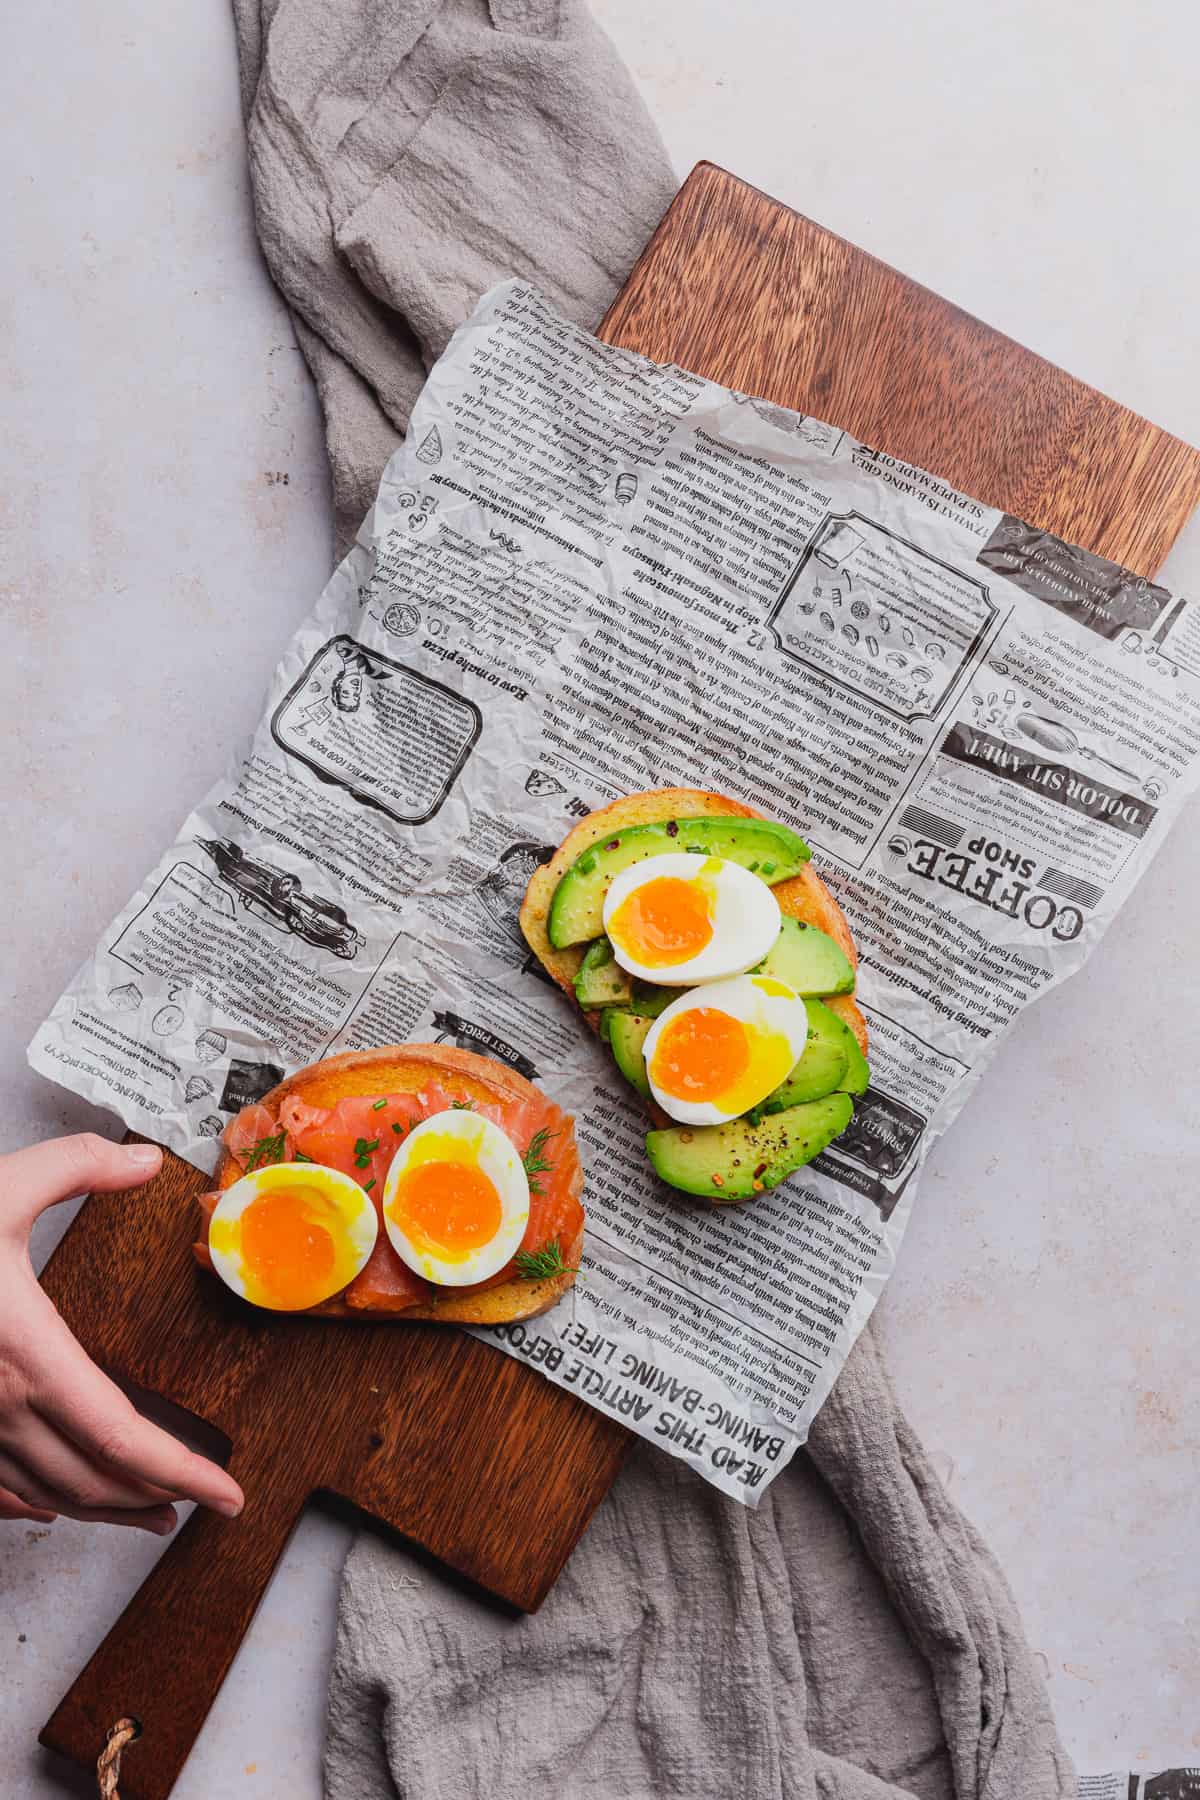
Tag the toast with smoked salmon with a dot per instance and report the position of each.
(351, 1113)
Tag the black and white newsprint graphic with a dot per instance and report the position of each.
(1166, 1784)
(586, 575)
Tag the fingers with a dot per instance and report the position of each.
(95, 1415)
(12, 1508)
(64, 1470)
(38, 1177)
(31, 1492)
(160, 1520)
(32, 1502)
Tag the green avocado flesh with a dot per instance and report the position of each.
(821, 1069)
(738, 1160)
(626, 1033)
(857, 1072)
(832, 1046)
(650, 1000)
(601, 981)
(647, 1000)
(807, 960)
(577, 909)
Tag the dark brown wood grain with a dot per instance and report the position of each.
(754, 295)
(466, 1452)
(469, 1454)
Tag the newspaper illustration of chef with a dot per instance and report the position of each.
(586, 575)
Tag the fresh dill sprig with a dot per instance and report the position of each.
(543, 1264)
(267, 1150)
(534, 1161)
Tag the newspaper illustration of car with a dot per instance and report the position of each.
(278, 895)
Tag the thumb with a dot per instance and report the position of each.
(33, 1179)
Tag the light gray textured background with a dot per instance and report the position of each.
(1034, 163)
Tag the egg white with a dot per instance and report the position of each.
(356, 1219)
(745, 918)
(755, 1000)
(496, 1157)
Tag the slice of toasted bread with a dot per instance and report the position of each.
(402, 1069)
(805, 896)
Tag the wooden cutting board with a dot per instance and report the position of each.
(467, 1453)
(753, 295)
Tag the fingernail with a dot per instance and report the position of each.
(161, 1527)
(144, 1156)
(228, 1509)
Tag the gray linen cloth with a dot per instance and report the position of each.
(853, 1639)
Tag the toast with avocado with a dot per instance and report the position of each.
(705, 951)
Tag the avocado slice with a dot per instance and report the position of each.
(627, 1032)
(807, 960)
(858, 1072)
(739, 1160)
(823, 1066)
(577, 909)
(601, 981)
(649, 999)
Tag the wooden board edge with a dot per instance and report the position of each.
(707, 175)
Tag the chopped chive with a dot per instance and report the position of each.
(398, 1128)
(368, 1185)
(379, 1106)
(267, 1150)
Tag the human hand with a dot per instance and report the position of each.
(70, 1441)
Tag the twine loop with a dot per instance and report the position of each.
(108, 1763)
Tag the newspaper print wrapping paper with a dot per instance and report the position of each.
(1164, 1784)
(586, 575)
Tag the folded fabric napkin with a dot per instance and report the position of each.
(853, 1638)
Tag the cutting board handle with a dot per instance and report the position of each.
(164, 1660)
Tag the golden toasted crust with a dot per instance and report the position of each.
(804, 897)
(401, 1069)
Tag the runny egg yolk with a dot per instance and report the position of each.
(701, 1054)
(707, 1055)
(443, 1202)
(288, 1248)
(664, 921)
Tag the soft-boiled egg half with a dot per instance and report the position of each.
(289, 1236)
(683, 919)
(456, 1199)
(720, 1049)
